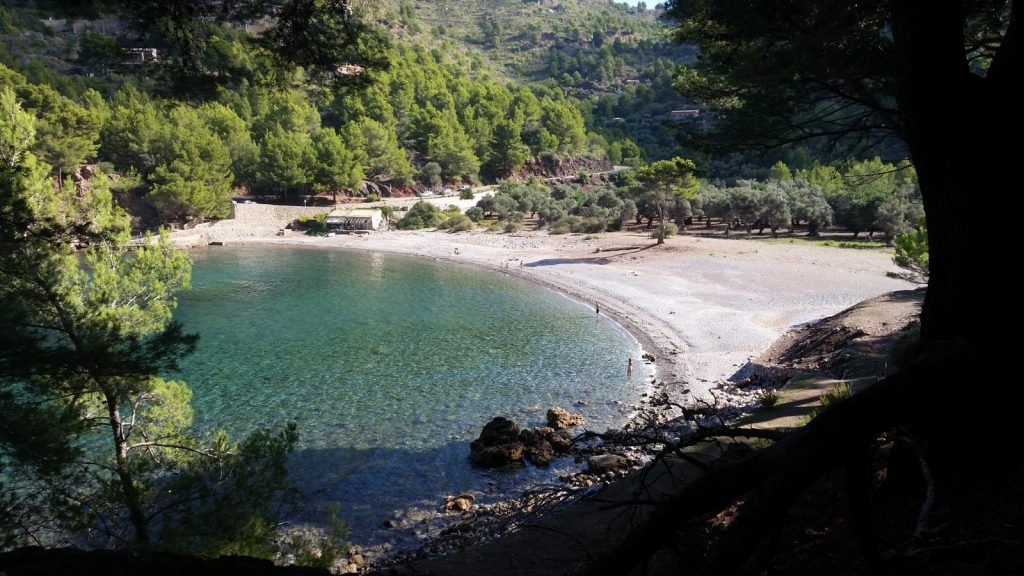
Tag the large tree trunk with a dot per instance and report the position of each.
(955, 124)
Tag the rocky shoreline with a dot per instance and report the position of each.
(698, 306)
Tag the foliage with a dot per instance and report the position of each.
(285, 161)
(844, 89)
(839, 392)
(475, 213)
(768, 399)
(429, 175)
(865, 195)
(666, 181)
(427, 106)
(466, 193)
(319, 37)
(197, 179)
(93, 437)
(456, 223)
(336, 163)
(912, 249)
(422, 215)
(668, 231)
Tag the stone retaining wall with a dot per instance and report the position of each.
(273, 212)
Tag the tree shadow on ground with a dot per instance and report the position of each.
(608, 255)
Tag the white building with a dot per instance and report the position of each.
(357, 219)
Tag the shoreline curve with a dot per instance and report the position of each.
(702, 306)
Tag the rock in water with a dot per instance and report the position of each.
(498, 444)
(607, 463)
(561, 441)
(540, 453)
(460, 503)
(560, 418)
(537, 442)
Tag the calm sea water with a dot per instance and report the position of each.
(391, 365)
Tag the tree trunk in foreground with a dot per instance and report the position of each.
(957, 126)
(132, 499)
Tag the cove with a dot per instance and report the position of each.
(390, 365)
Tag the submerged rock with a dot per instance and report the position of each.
(560, 418)
(607, 463)
(498, 444)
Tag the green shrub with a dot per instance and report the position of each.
(912, 249)
(455, 220)
(452, 209)
(839, 392)
(670, 230)
(463, 226)
(769, 398)
(319, 227)
(314, 225)
(466, 194)
(560, 227)
(512, 226)
(373, 197)
(421, 215)
(593, 225)
(568, 224)
(475, 213)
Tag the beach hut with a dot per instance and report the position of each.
(357, 219)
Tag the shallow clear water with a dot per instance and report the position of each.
(390, 365)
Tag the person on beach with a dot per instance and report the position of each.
(629, 366)
(597, 308)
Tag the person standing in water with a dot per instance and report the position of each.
(629, 366)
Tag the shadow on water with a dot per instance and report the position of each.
(378, 484)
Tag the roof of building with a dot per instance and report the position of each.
(355, 213)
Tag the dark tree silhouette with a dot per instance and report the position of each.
(944, 78)
(326, 39)
(936, 76)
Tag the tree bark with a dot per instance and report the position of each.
(132, 498)
(956, 124)
(661, 222)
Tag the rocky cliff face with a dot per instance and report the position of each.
(552, 167)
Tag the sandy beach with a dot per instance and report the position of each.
(702, 306)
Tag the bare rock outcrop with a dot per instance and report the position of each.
(498, 444)
(561, 419)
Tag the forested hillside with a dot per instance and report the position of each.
(470, 93)
(612, 57)
(427, 117)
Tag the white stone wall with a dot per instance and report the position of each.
(243, 213)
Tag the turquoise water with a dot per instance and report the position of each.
(390, 365)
